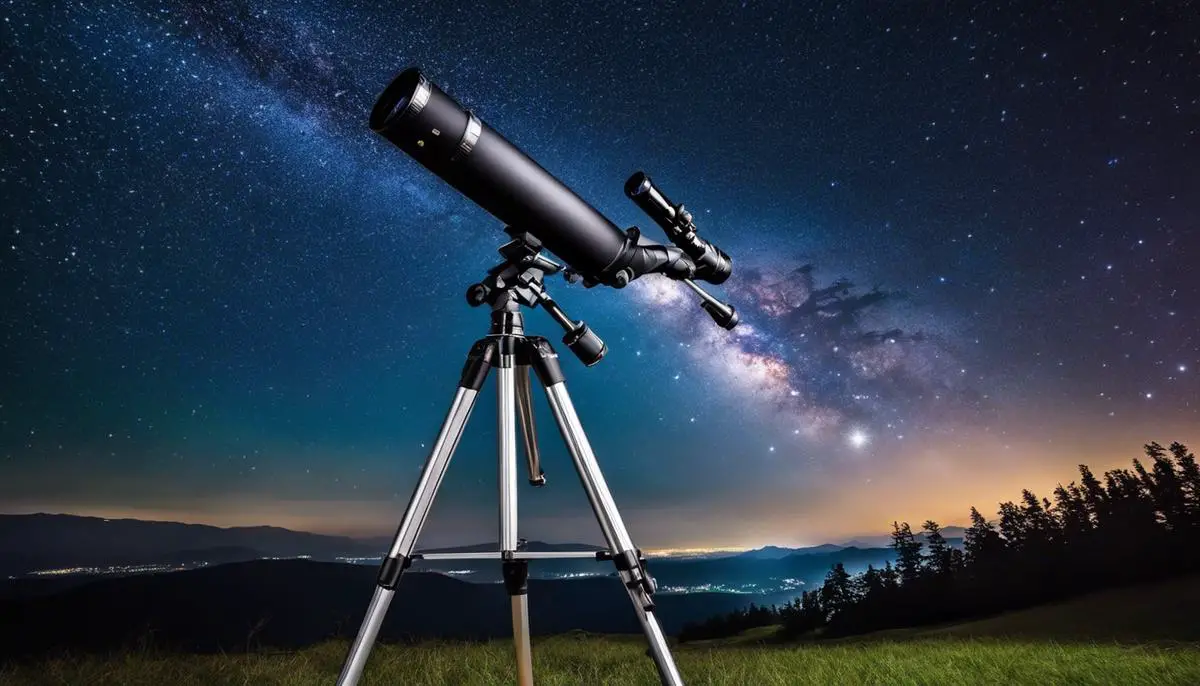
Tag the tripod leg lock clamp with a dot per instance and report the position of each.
(624, 560)
(479, 363)
(631, 564)
(391, 570)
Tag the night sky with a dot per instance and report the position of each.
(225, 300)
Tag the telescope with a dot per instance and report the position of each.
(540, 212)
(453, 143)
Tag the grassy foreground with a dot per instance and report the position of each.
(576, 660)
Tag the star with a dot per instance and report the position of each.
(858, 438)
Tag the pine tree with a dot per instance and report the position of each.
(1189, 477)
(836, 594)
(869, 585)
(1094, 496)
(889, 577)
(812, 612)
(908, 552)
(1040, 527)
(1129, 503)
(938, 561)
(1166, 488)
(1071, 512)
(981, 541)
(1013, 525)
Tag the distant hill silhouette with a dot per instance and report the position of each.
(41, 541)
(37, 542)
(291, 603)
(774, 552)
(952, 534)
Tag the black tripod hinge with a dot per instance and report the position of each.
(507, 345)
(391, 570)
(544, 360)
(479, 363)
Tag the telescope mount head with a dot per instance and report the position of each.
(520, 281)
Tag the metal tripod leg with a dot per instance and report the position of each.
(400, 555)
(625, 555)
(515, 571)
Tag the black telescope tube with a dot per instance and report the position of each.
(420, 119)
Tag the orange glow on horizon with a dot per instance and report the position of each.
(927, 483)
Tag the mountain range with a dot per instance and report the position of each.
(57, 546)
(38, 542)
(68, 550)
(44, 554)
(292, 603)
(47, 541)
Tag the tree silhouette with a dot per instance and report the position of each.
(1137, 525)
(908, 552)
(836, 593)
(939, 561)
(1189, 478)
(981, 540)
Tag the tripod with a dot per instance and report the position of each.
(517, 282)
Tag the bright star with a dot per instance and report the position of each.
(858, 438)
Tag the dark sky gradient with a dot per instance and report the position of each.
(227, 301)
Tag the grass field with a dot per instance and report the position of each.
(575, 660)
(1129, 637)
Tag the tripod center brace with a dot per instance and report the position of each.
(511, 354)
